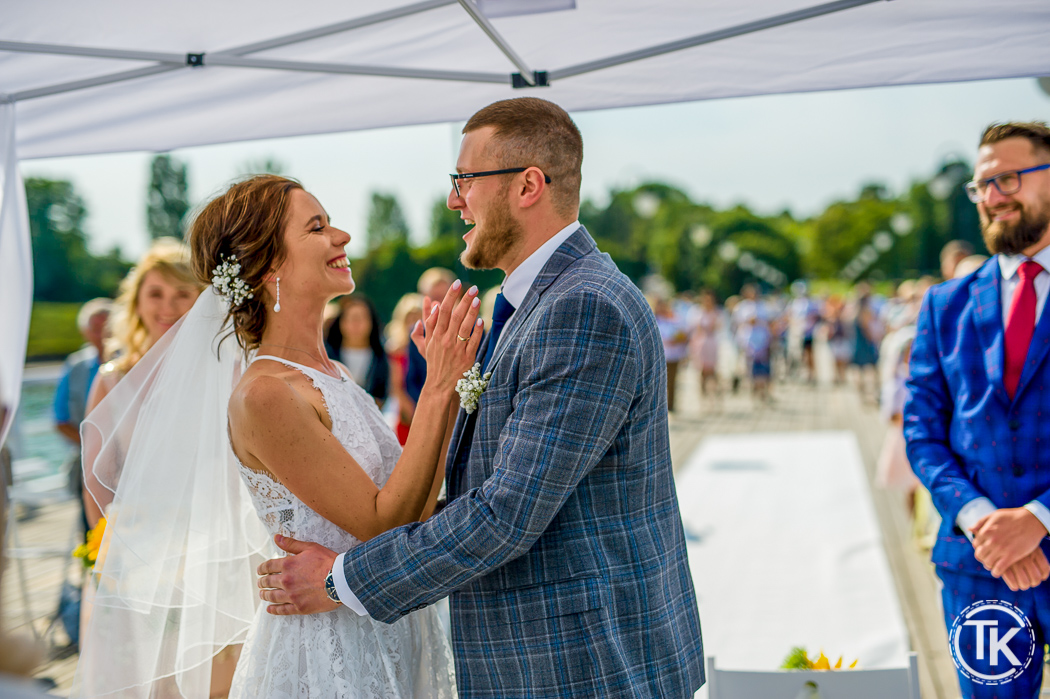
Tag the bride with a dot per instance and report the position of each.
(189, 517)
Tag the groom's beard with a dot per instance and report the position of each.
(501, 234)
(1015, 238)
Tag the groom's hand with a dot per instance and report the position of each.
(295, 584)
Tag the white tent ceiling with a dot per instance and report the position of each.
(113, 75)
(289, 53)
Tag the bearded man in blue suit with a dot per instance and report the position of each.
(561, 548)
(976, 420)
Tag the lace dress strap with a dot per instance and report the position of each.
(301, 367)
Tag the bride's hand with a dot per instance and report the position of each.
(449, 336)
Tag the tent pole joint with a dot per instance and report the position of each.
(539, 79)
(195, 60)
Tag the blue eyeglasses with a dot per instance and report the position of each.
(1005, 182)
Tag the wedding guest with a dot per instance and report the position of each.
(892, 469)
(968, 265)
(675, 336)
(975, 420)
(953, 252)
(355, 339)
(433, 284)
(407, 312)
(703, 344)
(863, 326)
(804, 314)
(78, 373)
(154, 295)
(757, 340)
(838, 340)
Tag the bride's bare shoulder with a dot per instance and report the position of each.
(260, 389)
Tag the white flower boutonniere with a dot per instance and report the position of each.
(471, 386)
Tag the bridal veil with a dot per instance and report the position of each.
(176, 577)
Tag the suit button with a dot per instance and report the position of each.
(1018, 471)
(1014, 425)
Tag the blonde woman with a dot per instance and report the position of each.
(154, 295)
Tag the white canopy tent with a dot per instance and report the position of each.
(121, 75)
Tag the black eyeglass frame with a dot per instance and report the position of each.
(457, 176)
(974, 187)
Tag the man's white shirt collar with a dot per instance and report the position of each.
(518, 282)
(1009, 264)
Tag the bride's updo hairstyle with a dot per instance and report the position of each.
(244, 222)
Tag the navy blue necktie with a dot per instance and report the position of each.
(501, 313)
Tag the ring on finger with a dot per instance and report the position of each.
(462, 339)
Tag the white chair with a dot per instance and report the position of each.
(884, 683)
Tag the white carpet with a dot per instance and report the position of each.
(785, 551)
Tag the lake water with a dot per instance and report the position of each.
(37, 448)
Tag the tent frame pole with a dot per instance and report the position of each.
(236, 57)
(709, 37)
(170, 62)
(502, 44)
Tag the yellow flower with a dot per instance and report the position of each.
(798, 659)
(89, 551)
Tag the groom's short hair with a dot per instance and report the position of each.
(531, 132)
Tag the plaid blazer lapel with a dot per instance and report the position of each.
(576, 246)
(988, 318)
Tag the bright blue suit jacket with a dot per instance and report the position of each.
(966, 438)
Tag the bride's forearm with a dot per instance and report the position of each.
(439, 472)
(414, 484)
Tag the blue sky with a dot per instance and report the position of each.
(772, 152)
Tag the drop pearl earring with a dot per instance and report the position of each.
(277, 306)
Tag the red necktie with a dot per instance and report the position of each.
(1020, 325)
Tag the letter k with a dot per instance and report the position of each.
(998, 645)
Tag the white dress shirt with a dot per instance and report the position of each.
(977, 508)
(515, 287)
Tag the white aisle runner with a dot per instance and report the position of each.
(786, 551)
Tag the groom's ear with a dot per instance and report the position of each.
(533, 186)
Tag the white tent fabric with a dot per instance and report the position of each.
(16, 269)
(124, 75)
(857, 43)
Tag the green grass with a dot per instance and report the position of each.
(53, 330)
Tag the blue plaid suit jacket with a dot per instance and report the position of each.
(562, 544)
(966, 438)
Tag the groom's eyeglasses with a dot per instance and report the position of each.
(456, 177)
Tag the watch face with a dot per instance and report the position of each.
(329, 588)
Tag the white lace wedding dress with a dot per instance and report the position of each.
(339, 654)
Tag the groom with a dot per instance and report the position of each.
(561, 547)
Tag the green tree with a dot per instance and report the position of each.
(737, 235)
(386, 221)
(166, 201)
(846, 227)
(444, 222)
(63, 267)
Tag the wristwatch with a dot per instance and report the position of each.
(329, 588)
